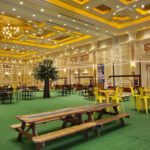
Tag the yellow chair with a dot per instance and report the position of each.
(96, 93)
(137, 98)
(117, 98)
(98, 98)
(144, 99)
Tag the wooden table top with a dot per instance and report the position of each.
(46, 116)
(146, 90)
(107, 91)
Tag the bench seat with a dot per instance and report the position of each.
(110, 119)
(16, 126)
(74, 129)
(62, 132)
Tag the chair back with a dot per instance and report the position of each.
(141, 91)
(96, 92)
(132, 90)
(118, 92)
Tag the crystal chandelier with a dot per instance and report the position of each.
(9, 30)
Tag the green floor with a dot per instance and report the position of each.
(135, 136)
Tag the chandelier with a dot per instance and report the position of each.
(9, 30)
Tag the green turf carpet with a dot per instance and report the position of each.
(134, 136)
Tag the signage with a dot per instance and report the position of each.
(101, 74)
(147, 47)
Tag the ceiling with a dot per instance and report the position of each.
(63, 24)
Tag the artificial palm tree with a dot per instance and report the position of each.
(46, 71)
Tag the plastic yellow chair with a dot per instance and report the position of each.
(96, 93)
(137, 98)
(98, 98)
(144, 100)
(117, 98)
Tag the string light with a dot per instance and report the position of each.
(8, 31)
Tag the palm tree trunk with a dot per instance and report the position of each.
(46, 89)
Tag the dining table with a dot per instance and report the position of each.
(107, 93)
(73, 115)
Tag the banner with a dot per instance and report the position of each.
(101, 74)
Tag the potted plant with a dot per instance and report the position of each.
(47, 72)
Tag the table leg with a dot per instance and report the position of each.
(23, 125)
(34, 132)
(39, 146)
(117, 112)
(78, 119)
(90, 116)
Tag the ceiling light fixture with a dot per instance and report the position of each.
(42, 10)
(14, 9)
(134, 6)
(21, 3)
(59, 16)
(143, 6)
(9, 30)
(87, 7)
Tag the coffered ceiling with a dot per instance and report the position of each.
(51, 25)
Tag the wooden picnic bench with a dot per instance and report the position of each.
(68, 115)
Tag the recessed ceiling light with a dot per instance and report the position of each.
(118, 6)
(42, 10)
(143, 6)
(114, 13)
(86, 24)
(64, 24)
(3, 12)
(134, 6)
(137, 17)
(73, 20)
(21, 3)
(59, 15)
(77, 28)
(18, 16)
(50, 20)
(87, 7)
(33, 15)
(14, 9)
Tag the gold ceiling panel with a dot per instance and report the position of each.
(102, 9)
(81, 2)
(145, 10)
(121, 18)
(106, 19)
(59, 28)
(60, 38)
(49, 46)
(127, 1)
(8, 19)
(15, 54)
